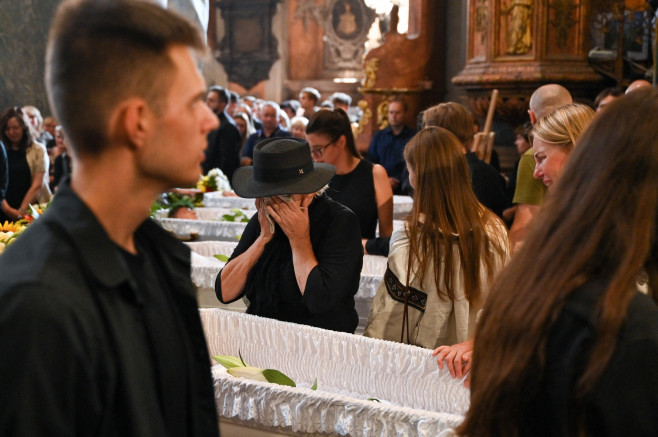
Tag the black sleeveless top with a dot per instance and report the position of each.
(356, 190)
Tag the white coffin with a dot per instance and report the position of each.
(417, 398)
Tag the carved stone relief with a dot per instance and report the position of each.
(346, 26)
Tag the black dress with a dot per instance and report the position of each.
(20, 179)
(356, 190)
(328, 301)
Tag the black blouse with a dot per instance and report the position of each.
(328, 301)
(356, 190)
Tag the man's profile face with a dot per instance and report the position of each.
(395, 114)
(175, 151)
(212, 100)
(306, 101)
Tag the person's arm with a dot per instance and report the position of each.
(233, 277)
(10, 212)
(4, 173)
(294, 222)
(384, 199)
(522, 219)
(33, 191)
(372, 154)
(248, 151)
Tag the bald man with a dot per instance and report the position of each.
(637, 84)
(529, 193)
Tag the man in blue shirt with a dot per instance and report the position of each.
(269, 115)
(387, 145)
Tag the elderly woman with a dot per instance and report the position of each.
(442, 263)
(567, 345)
(360, 185)
(28, 165)
(299, 259)
(555, 136)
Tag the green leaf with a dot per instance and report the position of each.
(374, 400)
(315, 385)
(228, 218)
(276, 377)
(228, 361)
(221, 257)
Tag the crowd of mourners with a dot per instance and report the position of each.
(538, 288)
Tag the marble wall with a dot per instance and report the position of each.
(23, 36)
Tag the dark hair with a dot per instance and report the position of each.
(19, 115)
(122, 44)
(612, 91)
(333, 123)
(293, 105)
(234, 97)
(400, 100)
(577, 238)
(341, 98)
(312, 92)
(452, 116)
(221, 92)
(524, 130)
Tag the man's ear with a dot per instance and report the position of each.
(533, 116)
(131, 123)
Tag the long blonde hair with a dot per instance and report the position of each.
(447, 214)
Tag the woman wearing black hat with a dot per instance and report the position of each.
(299, 259)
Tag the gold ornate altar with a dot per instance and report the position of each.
(519, 45)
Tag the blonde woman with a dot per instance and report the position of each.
(555, 136)
(440, 266)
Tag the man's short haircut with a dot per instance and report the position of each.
(121, 44)
(341, 99)
(293, 105)
(453, 117)
(235, 97)
(312, 92)
(221, 92)
(271, 104)
(401, 101)
(612, 91)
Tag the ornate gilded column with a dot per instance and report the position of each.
(519, 45)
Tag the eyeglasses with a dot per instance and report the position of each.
(317, 152)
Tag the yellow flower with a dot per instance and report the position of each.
(10, 227)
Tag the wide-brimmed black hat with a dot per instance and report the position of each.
(281, 166)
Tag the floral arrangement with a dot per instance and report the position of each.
(215, 180)
(174, 200)
(9, 231)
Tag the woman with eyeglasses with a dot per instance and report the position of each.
(358, 184)
(28, 165)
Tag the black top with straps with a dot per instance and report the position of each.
(356, 190)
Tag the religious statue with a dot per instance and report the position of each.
(519, 29)
(347, 23)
